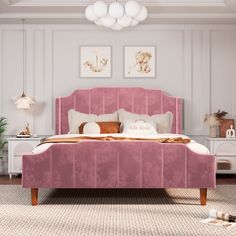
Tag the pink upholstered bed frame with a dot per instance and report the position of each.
(118, 164)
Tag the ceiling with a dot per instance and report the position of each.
(160, 11)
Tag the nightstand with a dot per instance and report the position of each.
(225, 151)
(16, 148)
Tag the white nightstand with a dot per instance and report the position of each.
(225, 151)
(16, 148)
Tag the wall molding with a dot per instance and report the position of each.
(42, 63)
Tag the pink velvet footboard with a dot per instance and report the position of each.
(118, 164)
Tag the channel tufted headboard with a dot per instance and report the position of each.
(107, 100)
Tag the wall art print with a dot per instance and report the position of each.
(95, 61)
(140, 61)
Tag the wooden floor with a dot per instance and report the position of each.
(16, 180)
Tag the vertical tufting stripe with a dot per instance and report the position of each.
(118, 99)
(118, 169)
(162, 165)
(185, 171)
(132, 102)
(59, 115)
(103, 102)
(141, 167)
(161, 102)
(74, 102)
(177, 115)
(74, 169)
(146, 92)
(89, 102)
(95, 169)
(50, 153)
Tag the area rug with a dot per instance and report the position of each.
(112, 212)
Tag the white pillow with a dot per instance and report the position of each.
(162, 122)
(91, 128)
(138, 127)
(75, 119)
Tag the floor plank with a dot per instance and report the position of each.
(16, 180)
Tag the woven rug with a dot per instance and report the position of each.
(112, 212)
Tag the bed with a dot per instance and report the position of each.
(119, 163)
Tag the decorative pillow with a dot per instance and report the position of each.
(91, 128)
(162, 122)
(107, 127)
(76, 118)
(138, 127)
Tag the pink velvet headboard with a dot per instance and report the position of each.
(107, 100)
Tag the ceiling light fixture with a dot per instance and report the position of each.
(24, 102)
(116, 15)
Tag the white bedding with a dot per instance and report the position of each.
(193, 145)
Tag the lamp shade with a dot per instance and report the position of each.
(124, 21)
(100, 9)
(132, 8)
(108, 21)
(142, 15)
(90, 14)
(116, 15)
(116, 10)
(116, 27)
(24, 102)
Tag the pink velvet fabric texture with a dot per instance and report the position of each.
(107, 100)
(118, 164)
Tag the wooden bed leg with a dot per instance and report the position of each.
(34, 196)
(203, 196)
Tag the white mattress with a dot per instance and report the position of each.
(193, 145)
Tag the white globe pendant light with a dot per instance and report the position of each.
(98, 22)
(100, 9)
(116, 10)
(132, 8)
(108, 21)
(90, 14)
(142, 15)
(116, 15)
(134, 22)
(116, 27)
(124, 21)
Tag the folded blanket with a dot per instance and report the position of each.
(111, 138)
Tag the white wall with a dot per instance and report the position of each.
(195, 62)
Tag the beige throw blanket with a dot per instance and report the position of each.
(111, 138)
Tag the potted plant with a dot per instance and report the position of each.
(3, 127)
(213, 122)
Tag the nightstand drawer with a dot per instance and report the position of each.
(224, 148)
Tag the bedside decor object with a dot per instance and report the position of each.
(95, 61)
(213, 122)
(3, 127)
(25, 133)
(225, 124)
(17, 147)
(140, 61)
(116, 16)
(230, 133)
(24, 102)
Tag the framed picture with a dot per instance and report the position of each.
(140, 61)
(95, 61)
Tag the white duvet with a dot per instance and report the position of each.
(193, 145)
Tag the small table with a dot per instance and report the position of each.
(17, 147)
(225, 151)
